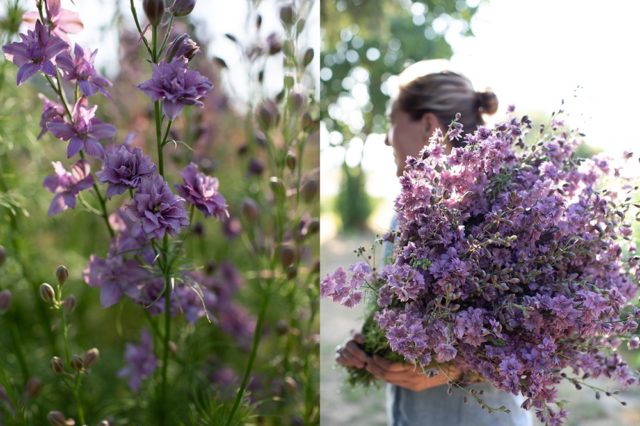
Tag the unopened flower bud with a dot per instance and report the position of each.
(291, 161)
(292, 272)
(47, 293)
(56, 418)
(309, 190)
(33, 387)
(182, 46)
(268, 114)
(77, 363)
(5, 301)
(62, 274)
(3, 255)
(173, 347)
(277, 186)
(287, 14)
(255, 167)
(57, 365)
(314, 227)
(69, 304)
(316, 267)
(274, 44)
(182, 7)
(154, 9)
(282, 327)
(91, 357)
(250, 210)
(287, 254)
(308, 56)
(298, 100)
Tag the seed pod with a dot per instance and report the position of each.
(250, 209)
(274, 44)
(5, 301)
(255, 167)
(287, 14)
(77, 362)
(62, 274)
(268, 114)
(91, 357)
(47, 293)
(314, 226)
(3, 256)
(298, 100)
(308, 56)
(33, 387)
(56, 364)
(182, 7)
(154, 9)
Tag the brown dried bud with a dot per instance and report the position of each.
(91, 357)
(287, 14)
(292, 272)
(314, 226)
(5, 301)
(47, 293)
(154, 9)
(316, 267)
(250, 209)
(62, 274)
(69, 304)
(282, 327)
(77, 362)
(33, 387)
(56, 364)
(3, 256)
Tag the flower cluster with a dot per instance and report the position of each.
(140, 228)
(510, 262)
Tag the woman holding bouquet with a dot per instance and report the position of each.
(427, 101)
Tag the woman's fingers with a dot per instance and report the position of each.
(352, 356)
(358, 338)
(393, 366)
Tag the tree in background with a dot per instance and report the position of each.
(365, 43)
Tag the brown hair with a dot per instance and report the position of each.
(444, 94)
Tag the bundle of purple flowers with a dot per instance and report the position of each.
(508, 263)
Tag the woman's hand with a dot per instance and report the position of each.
(351, 355)
(409, 376)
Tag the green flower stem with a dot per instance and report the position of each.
(254, 350)
(167, 325)
(75, 388)
(158, 117)
(103, 205)
(135, 18)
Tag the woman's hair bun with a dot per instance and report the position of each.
(487, 102)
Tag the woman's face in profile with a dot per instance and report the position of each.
(405, 135)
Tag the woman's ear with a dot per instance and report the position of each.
(430, 122)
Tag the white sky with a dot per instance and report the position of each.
(533, 54)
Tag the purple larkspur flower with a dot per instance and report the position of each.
(85, 132)
(115, 276)
(51, 111)
(202, 191)
(176, 86)
(34, 53)
(66, 185)
(61, 21)
(158, 209)
(141, 362)
(182, 47)
(80, 69)
(124, 168)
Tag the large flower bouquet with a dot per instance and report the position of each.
(510, 262)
